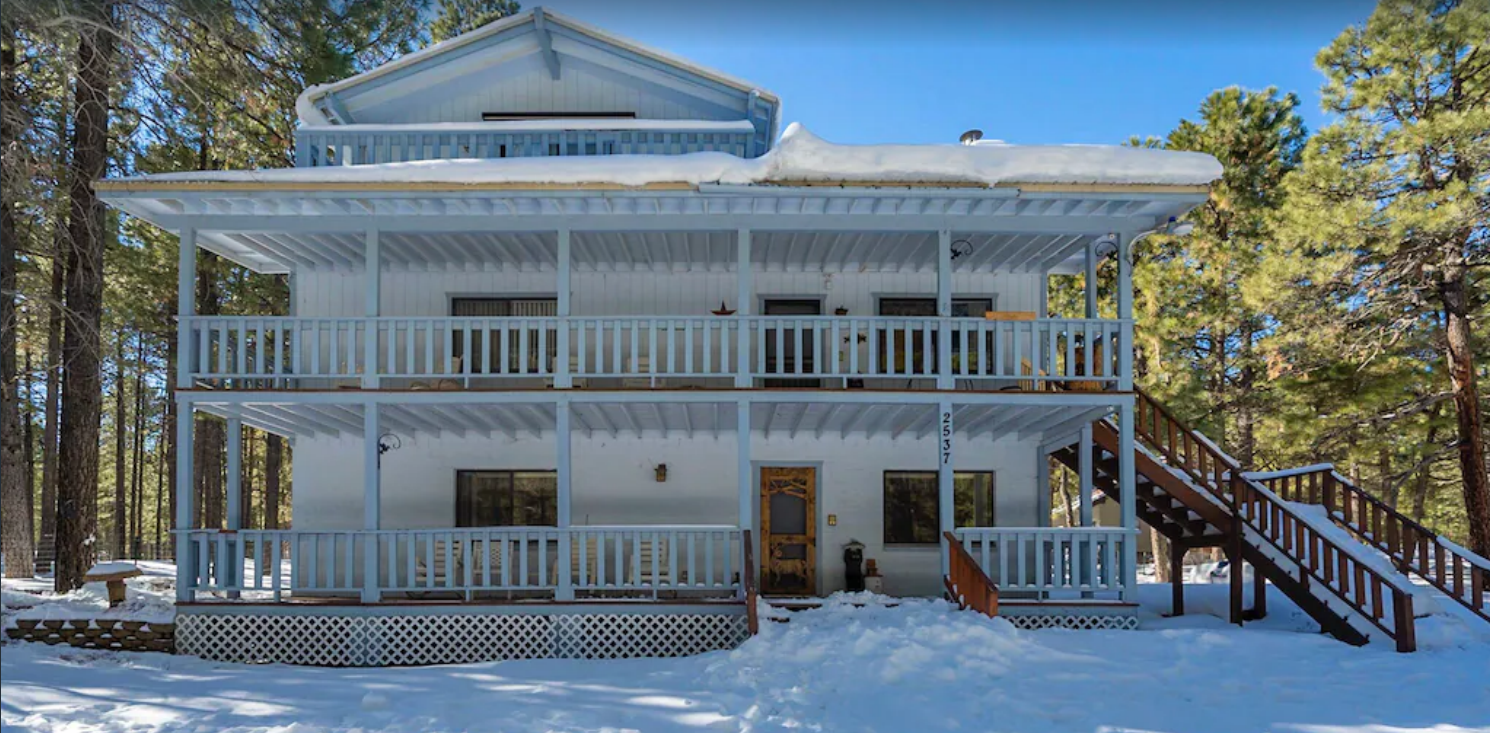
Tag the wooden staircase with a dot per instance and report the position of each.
(1197, 496)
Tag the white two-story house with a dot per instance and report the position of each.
(583, 349)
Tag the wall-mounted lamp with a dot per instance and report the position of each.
(387, 442)
(661, 471)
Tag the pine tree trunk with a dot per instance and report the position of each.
(121, 507)
(1390, 489)
(77, 458)
(1160, 546)
(1460, 357)
(15, 522)
(162, 461)
(1245, 442)
(272, 459)
(46, 554)
(29, 419)
(137, 455)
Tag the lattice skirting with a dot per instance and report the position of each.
(381, 640)
(1074, 621)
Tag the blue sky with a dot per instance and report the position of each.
(1078, 71)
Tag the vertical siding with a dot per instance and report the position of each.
(411, 293)
(532, 89)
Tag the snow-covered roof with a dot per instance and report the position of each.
(801, 157)
(311, 115)
(546, 125)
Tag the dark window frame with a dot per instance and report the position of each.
(493, 350)
(990, 504)
(464, 502)
(903, 360)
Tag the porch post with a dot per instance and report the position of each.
(373, 295)
(946, 516)
(1127, 496)
(186, 566)
(744, 475)
(744, 280)
(562, 378)
(1125, 312)
(1091, 279)
(186, 306)
(944, 378)
(371, 501)
(1176, 578)
(562, 474)
(234, 490)
(1084, 484)
(1084, 489)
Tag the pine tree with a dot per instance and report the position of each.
(1397, 194)
(455, 17)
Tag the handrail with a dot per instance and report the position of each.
(1254, 507)
(747, 582)
(1379, 524)
(969, 586)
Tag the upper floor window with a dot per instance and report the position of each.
(492, 353)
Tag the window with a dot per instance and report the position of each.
(506, 499)
(505, 308)
(905, 356)
(911, 504)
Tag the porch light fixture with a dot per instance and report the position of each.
(661, 471)
(961, 248)
(388, 442)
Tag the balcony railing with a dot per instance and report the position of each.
(332, 146)
(802, 351)
(1050, 562)
(438, 563)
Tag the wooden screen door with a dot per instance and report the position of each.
(788, 530)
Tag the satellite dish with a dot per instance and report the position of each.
(970, 137)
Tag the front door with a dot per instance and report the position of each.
(788, 530)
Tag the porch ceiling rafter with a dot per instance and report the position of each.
(1066, 424)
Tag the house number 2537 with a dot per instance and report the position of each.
(946, 438)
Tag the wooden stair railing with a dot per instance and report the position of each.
(1320, 560)
(747, 583)
(969, 587)
(1457, 572)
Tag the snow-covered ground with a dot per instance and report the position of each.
(917, 666)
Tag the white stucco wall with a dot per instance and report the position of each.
(614, 483)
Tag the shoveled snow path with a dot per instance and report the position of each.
(920, 666)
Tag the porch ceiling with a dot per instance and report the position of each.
(809, 228)
(654, 251)
(789, 420)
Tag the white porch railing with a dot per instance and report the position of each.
(270, 564)
(289, 352)
(1050, 561)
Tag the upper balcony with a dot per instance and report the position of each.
(366, 144)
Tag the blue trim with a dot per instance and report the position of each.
(546, 43)
(439, 59)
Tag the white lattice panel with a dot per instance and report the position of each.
(607, 636)
(1074, 621)
(385, 640)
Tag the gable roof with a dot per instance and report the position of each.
(319, 105)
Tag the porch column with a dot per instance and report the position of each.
(947, 517)
(1125, 312)
(743, 473)
(562, 474)
(944, 379)
(373, 295)
(1085, 487)
(1084, 484)
(234, 490)
(562, 378)
(1127, 496)
(371, 500)
(744, 280)
(186, 306)
(1091, 279)
(186, 565)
